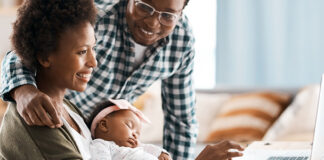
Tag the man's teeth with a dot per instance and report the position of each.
(84, 75)
(147, 32)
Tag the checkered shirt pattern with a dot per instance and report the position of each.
(169, 60)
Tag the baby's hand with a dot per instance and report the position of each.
(164, 156)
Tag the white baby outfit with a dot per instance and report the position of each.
(108, 150)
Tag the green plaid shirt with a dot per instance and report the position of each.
(169, 60)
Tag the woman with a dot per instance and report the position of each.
(55, 38)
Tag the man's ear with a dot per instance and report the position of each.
(44, 62)
(103, 125)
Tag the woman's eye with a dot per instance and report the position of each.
(83, 52)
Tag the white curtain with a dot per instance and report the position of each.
(269, 43)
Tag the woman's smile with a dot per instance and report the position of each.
(83, 76)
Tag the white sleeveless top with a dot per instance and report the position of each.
(82, 141)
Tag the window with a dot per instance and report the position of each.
(260, 44)
(202, 16)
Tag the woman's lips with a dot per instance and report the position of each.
(84, 76)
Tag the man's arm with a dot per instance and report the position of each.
(13, 75)
(18, 84)
(178, 101)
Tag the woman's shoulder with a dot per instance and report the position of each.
(14, 137)
(33, 141)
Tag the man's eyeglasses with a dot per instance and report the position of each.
(145, 10)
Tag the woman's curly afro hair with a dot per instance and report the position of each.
(39, 23)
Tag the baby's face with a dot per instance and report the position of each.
(124, 128)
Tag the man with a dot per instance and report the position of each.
(138, 43)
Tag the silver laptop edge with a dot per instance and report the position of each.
(318, 140)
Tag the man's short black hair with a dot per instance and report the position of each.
(39, 25)
(185, 4)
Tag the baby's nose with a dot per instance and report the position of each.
(135, 135)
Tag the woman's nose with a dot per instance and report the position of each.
(91, 59)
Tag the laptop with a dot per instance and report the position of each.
(292, 150)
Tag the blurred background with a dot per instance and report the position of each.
(7, 16)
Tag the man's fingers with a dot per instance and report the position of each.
(231, 145)
(234, 154)
(44, 117)
(51, 110)
(34, 118)
(237, 146)
(27, 119)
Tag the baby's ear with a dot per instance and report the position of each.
(103, 125)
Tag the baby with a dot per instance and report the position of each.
(116, 126)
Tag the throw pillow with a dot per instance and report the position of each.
(246, 117)
(297, 122)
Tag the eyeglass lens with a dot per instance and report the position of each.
(147, 10)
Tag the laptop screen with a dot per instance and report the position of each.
(318, 141)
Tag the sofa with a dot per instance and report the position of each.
(293, 121)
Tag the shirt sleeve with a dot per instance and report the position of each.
(178, 102)
(14, 74)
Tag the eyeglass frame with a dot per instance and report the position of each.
(159, 12)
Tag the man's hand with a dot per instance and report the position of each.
(164, 156)
(220, 151)
(35, 107)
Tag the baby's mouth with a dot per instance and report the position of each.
(133, 142)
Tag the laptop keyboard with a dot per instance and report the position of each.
(288, 158)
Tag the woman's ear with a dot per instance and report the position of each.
(44, 62)
(103, 125)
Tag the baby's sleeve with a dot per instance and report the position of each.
(153, 149)
(100, 150)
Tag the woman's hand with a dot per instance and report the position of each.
(164, 156)
(220, 151)
(35, 107)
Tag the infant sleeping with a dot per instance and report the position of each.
(116, 126)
